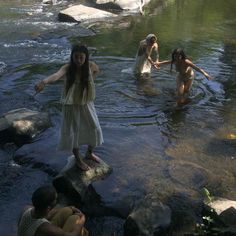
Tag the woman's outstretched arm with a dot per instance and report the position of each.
(198, 69)
(50, 79)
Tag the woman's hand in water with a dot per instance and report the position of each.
(156, 65)
(39, 87)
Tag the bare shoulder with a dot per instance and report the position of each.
(48, 229)
(189, 62)
(155, 45)
(93, 67)
(27, 207)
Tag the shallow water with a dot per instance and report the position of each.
(152, 145)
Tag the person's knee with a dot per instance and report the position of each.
(70, 222)
(67, 210)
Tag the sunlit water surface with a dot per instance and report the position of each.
(152, 144)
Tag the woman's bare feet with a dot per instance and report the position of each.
(82, 165)
(92, 157)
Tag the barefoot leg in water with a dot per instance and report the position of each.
(79, 162)
(90, 155)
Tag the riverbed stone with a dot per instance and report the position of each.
(133, 5)
(72, 179)
(149, 217)
(80, 13)
(219, 205)
(222, 213)
(22, 125)
(49, 2)
(42, 154)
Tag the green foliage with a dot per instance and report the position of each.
(207, 195)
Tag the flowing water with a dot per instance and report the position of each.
(153, 145)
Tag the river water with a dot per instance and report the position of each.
(153, 145)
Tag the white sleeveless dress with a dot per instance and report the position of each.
(80, 124)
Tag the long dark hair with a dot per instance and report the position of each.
(71, 72)
(177, 52)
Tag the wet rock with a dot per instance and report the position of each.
(22, 125)
(72, 179)
(81, 13)
(222, 213)
(124, 206)
(49, 2)
(219, 205)
(196, 177)
(42, 154)
(149, 217)
(133, 5)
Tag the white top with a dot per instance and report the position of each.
(73, 96)
(28, 225)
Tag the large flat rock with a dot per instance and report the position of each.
(80, 13)
(133, 5)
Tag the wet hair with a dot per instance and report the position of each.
(71, 72)
(150, 38)
(44, 197)
(177, 52)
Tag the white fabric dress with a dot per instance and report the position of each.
(142, 65)
(80, 123)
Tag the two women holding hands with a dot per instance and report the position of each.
(184, 67)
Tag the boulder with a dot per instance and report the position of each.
(222, 214)
(80, 13)
(71, 180)
(149, 217)
(49, 2)
(42, 154)
(131, 5)
(22, 125)
(219, 205)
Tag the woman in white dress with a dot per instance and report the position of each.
(80, 125)
(144, 59)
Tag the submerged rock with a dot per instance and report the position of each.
(149, 217)
(221, 213)
(22, 125)
(72, 179)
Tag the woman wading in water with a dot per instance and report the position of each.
(144, 59)
(186, 75)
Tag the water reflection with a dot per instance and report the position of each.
(152, 144)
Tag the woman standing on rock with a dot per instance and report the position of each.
(80, 125)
